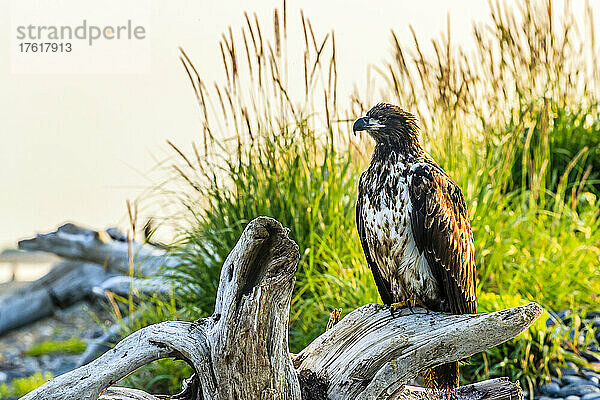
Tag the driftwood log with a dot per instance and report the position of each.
(241, 351)
(94, 262)
(108, 248)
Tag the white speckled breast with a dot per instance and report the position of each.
(389, 234)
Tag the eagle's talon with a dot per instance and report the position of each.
(399, 305)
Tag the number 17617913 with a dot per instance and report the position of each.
(44, 47)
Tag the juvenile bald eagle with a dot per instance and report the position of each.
(414, 226)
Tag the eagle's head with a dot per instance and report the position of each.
(387, 123)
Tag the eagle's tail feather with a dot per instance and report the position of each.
(443, 377)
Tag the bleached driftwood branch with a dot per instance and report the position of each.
(389, 350)
(68, 283)
(493, 389)
(106, 248)
(241, 351)
(107, 340)
(95, 262)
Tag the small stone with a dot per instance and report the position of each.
(3, 377)
(569, 379)
(572, 397)
(30, 366)
(556, 380)
(591, 396)
(562, 314)
(45, 331)
(94, 334)
(592, 377)
(571, 369)
(578, 389)
(551, 388)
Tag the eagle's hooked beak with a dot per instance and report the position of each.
(365, 123)
(360, 124)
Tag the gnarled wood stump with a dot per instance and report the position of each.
(241, 351)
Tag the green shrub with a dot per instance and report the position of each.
(21, 386)
(557, 134)
(159, 377)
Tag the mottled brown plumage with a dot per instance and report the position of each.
(414, 226)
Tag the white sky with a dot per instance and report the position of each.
(74, 147)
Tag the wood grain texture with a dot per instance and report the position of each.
(492, 389)
(119, 393)
(371, 354)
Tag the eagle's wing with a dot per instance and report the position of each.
(440, 226)
(383, 286)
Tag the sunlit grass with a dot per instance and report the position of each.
(72, 345)
(21, 386)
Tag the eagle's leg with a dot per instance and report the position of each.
(442, 377)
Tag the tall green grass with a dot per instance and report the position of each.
(515, 123)
(283, 159)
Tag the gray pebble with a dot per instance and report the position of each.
(551, 388)
(572, 370)
(569, 379)
(591, 396)
(578, 389)
(556, 380)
